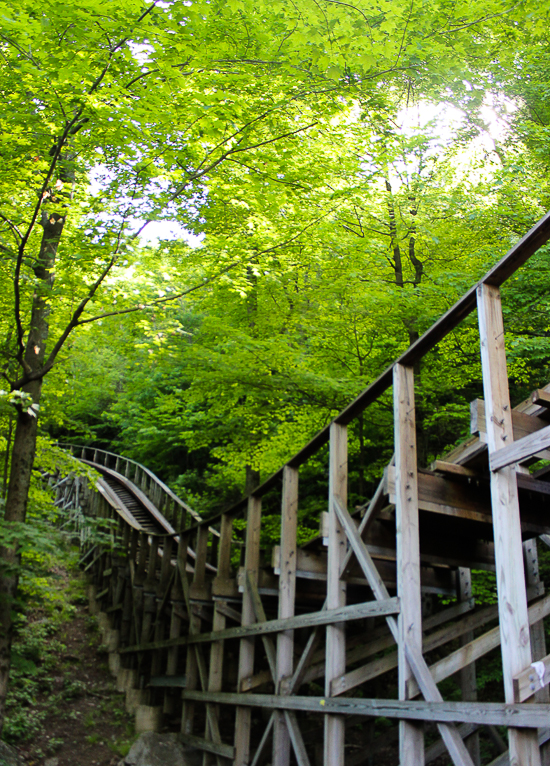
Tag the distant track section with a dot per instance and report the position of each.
(130, 502)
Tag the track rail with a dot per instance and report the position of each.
(131, 502)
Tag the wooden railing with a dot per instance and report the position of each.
(162, 497)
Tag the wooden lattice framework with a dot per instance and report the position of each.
(215, 644)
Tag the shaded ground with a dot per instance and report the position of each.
(85, 721)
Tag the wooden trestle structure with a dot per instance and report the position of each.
(261, 661)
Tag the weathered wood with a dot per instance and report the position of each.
(504, 758)
(468, 681)
(541, 398)
(497, 275)
(532, 680)
(246, 651)
(484, 713)
(329, 617)
(409, 623)
(477, 648)
(215, 670)
(192, 669)
(335, 659)
(451, 469)
(438, 748)
(373, 669)
(260, 617)
(512, 597)
(449, 496)
(296, 737)
(521, 450)
(522, 423)
(449, 734)
(218, 748)
(287, 595)
(537, 631)
(305, 659)
(363, 557)
(263, 741)
(373, 508)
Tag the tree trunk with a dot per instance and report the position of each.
(24, 442)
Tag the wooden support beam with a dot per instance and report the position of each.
(218, 748)
(215, 670)
(438, 748)
(263, 741)
(336, 589)
(303, 663)
(358, 676)
(512, 597)
(537, 631)
(442, 712)
(375, 505)
(287, 594)
(541, 398)
(296, 737)
(522, 423)
(477, 648)
(532, 680)
(409, 623)
(468, 681)
(520, 450)
(243, 719)
(451, 469)
(329, 617)
(259, 614)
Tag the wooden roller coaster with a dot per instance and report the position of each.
(280, 660)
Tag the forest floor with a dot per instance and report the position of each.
(70, 712)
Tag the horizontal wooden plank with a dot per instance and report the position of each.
(486, 713)
(471, 501)
(520, 450)
(532, 679)
(326, 617)
(178, 682)
(218, 748)
(451, 469)
(439, 494)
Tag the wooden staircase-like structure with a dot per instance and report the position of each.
(279, 661)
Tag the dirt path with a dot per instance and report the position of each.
(86, 723)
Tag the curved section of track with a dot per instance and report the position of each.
(130, 502)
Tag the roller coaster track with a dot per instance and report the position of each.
(333, 615)
(136, 502)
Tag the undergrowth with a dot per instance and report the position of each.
(47, 599)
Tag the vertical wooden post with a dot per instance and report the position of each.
(512, 596)
(191, 669)
(538, 639)
(287, 592)
(468, 682)
(411, 735)
(215, 671)
(336, 588)
(243, 716)
(201, 553)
